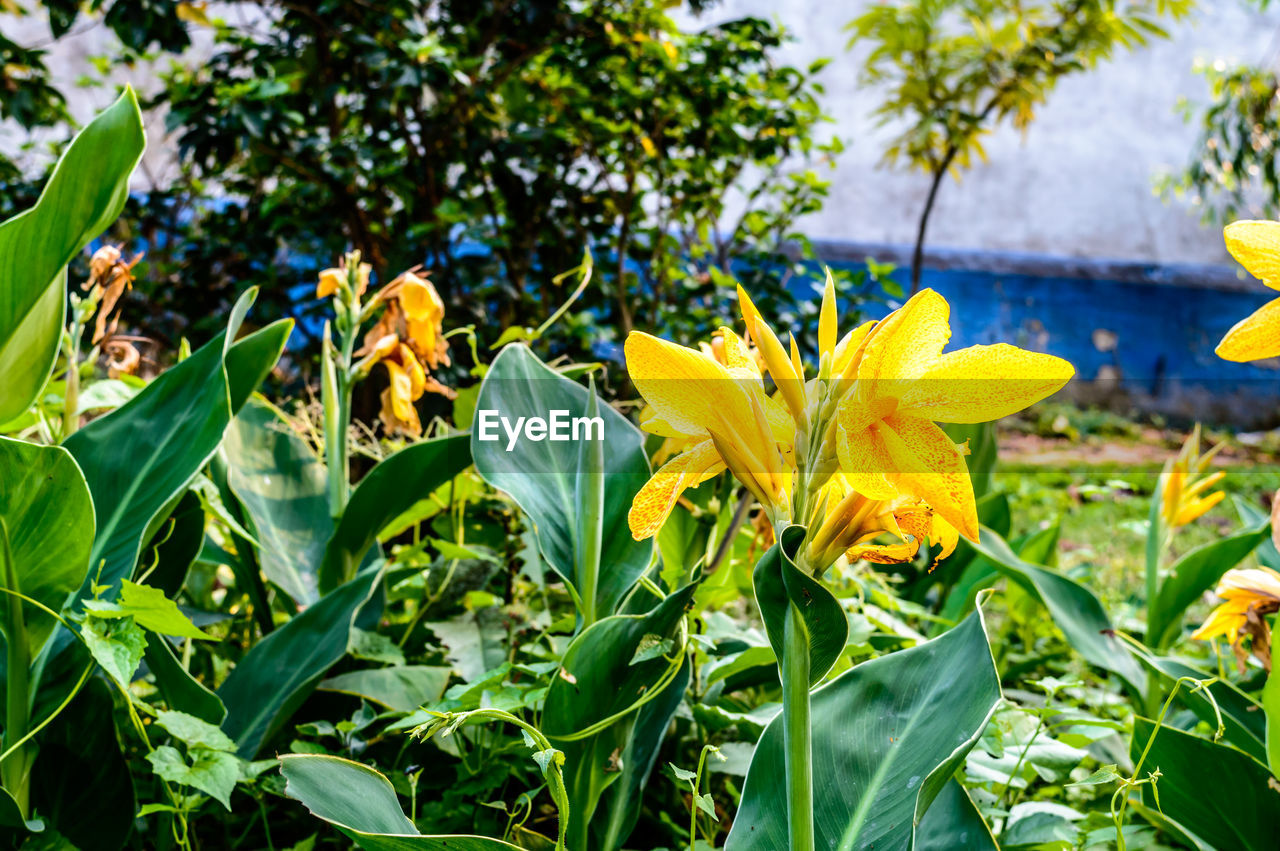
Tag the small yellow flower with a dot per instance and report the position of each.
(1249, 595)
(721, 410)
(1183, 484)
(888, 443)
(424, 319)
(331, 280)
(1257, 246)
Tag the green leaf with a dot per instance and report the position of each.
(281, 670)
(779, 584)
(1218, 793)
(193, 731)
(576, 493)
(139, 459)
(83, 197)
(283, 488)
(402, 689)
(213, 772)
(1243, 721)
(149, 608)
(81, 782)
(387, 491)
(883, 747)
(48, 515)
(1192, 575)
(953, 821)
(1271, 705)
(179, 688)
(362, 804)
(596, 683)
(116, 645)
(175, 546)
(1074, 608)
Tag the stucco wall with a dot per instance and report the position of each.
(1080, 182)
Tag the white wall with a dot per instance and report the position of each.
(1079, 184)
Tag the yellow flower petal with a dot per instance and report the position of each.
(775, 356)
(401, 391)
(688, 391)
(420, 299)
(864, 461)
(828, 331)
(927, 465)
(846, 352)
(330, 280)
(1257, 246)
(984, 383)
(653, 504)
(1255, 337)
(906, 342)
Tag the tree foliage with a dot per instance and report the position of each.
(953, 70)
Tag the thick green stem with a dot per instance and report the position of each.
(335, 397)
(15, 770)
(71, 398)
(797, 735)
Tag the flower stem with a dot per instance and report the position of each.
(797, 735)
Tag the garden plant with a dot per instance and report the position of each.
(762, 594)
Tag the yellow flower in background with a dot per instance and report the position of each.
(1257, 246)
(888, 442)
(722, 413)
(1183, 483)
(1249, 595)
(424, 319)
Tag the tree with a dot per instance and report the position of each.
(490, 140)
(955, 69)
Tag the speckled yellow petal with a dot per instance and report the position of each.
(926, 464)
(736, 354)
(865, 462)
(907, 342)
(653, 504)
(943, 534)
(1255, 337)
(983, 383)
(1257, 246)
(688, 391)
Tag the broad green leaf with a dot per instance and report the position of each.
(11, 815)
(282, 669)
(81, 783)
(1220, 794)
(386, 492)
(48, 515)
(139, 458)
(953, 821)
(402, 688)
(213, 772)
(1251, 515)
(283, 488)
(1074, 608)
(1271, 705)
(193, 731)
(888, 735)
(361, 803)
(149, 608)
(175, 546)
(178, 687)
(576, 493)
(1192, 575)
(83, 197)
(1038, 548)
(779, 584)
(116, 645)
(1243, 720)
(598, 684)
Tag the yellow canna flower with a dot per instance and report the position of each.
(850, 524)
(424, 319)
(1183, 485)
(330, 282)
(720, 410)
(1249, 594)
(888, 443)
(1257, 246)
